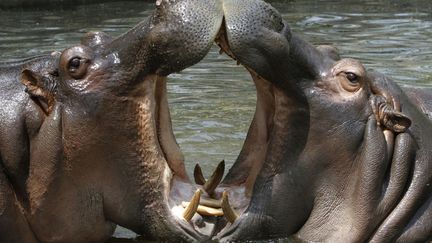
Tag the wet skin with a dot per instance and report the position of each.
(85, 137)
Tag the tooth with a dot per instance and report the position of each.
(191, 209)
(215, 178)
(210, 202)
(229, 212)
(198, 175)
(206, 211)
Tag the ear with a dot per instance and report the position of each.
(387, 116)
(36, 88)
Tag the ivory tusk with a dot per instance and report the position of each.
(210, 202)
(191, 209)
(215, 178)
(206, 211)
(229, 212)
(198, 175)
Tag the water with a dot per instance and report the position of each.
(212, 103)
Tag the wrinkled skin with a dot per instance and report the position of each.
(85, 136)
(335, 153)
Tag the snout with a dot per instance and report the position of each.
(256, 34)
(183, 32)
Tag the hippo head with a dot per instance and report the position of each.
(102, 149)
(326, 156)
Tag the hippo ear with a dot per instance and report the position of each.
(388, 117)
(38, 90)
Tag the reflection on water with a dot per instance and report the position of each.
(212, 102)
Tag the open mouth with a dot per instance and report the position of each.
(212, 204)
(195, 207)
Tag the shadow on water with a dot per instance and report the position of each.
(212, 103)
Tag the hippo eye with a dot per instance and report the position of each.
(352, 77)
(350, 81)
(74, 63)
(77, 67)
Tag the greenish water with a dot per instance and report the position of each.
(212, 103)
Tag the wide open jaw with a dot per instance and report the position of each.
(215, 204)
(232, 197)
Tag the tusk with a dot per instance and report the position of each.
(215, 178)
(206, 211)
(198, 175)
(229, 212)
(210, 202)
(191, 209)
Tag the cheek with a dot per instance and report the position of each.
(337, 106)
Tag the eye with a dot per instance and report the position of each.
(352, 77)
(74, 63)
(77, 67)
(350, 81)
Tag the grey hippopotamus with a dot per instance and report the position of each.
(85, 135)
(335, 152)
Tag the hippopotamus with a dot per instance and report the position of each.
(335, 152)
(85, 138)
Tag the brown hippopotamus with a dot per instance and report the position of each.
(335, 152)
(85, 135)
